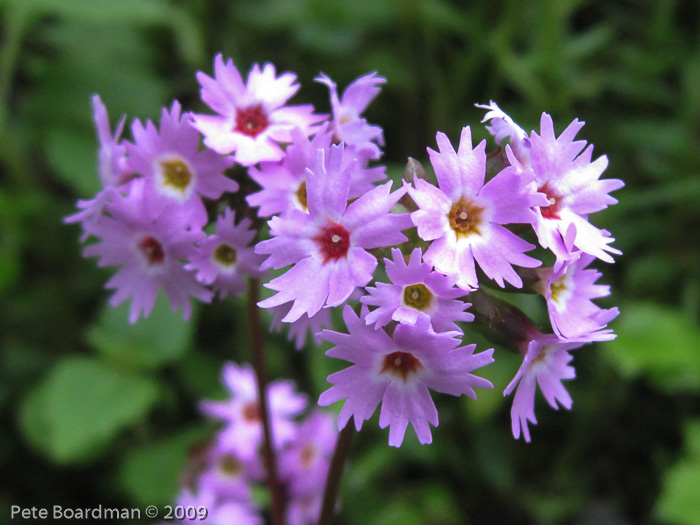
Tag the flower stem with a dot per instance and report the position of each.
(335, 473)
(258, 360)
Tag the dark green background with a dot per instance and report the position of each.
(93, 411)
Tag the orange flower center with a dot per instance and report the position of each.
(465, 217)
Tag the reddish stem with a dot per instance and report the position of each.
(335, 473)
(258, 360)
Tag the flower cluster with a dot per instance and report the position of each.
(515, 220)
(223, 473)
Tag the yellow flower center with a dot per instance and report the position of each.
(465, 218)
(176, 174)
(417, 296)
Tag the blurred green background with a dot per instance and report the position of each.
(93, 411)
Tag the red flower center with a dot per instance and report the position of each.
(333, 242)
(152, 250)
(551, 211)
(251, 412)
(401, 364)
(251, 121)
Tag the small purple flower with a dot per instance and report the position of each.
(398, 372)
(148, 241)
(173, 165)
(564, 172)
(252, 117)
(546, 362)
(569, 291)
(224, 260)
(328, 245)
(225, 474)
(217, 511)
(464, 216)
(241, 413)
(503, 127)
(348, 126)
(112, 159)
(304, 463)
(284, 183)
(416, 291)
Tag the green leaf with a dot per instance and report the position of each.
(81, 406)
(162, 337)
(659, 343)
(678, 502)
(151, 475)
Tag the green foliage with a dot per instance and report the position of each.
(81, 407)
(161, 338)
(678, 502)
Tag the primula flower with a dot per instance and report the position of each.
(224, 260)
(328, 245)
(148, 241)
(241, 413)
(174, 167)
(569, 291)
(252, 117)
(564, 172)
(348, 126)
(546, 362)
(113, 164)
(503, 127)
(416, 291)
(113, 167)
(304, 463)
(398, 372)
(464, 216)
(225, 474)
(284, 183)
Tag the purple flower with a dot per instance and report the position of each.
(546, 362)
(148, 241)
(304, 463)
(464, 216)
(564, 172)
(502, 127)
(112, 159)
(569, 291)
(252, 117)
(284, 183)
(416, 291)
(225, 474)
(348, 126)
(173, 165)
(224, 260)
(241, 413)
(113, 168)
(328, 245)
(398, 373)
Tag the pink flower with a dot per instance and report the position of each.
(328, 245)
(298, 329)
(348, 126)
(416, 291)
(304, 463)
(569, 291)
(225, 259)
(173, 165)
(464, 217)
(284, 183)
(148, 241)
(252, 117)
(242, 432)
(546, 362)
(398, 372)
